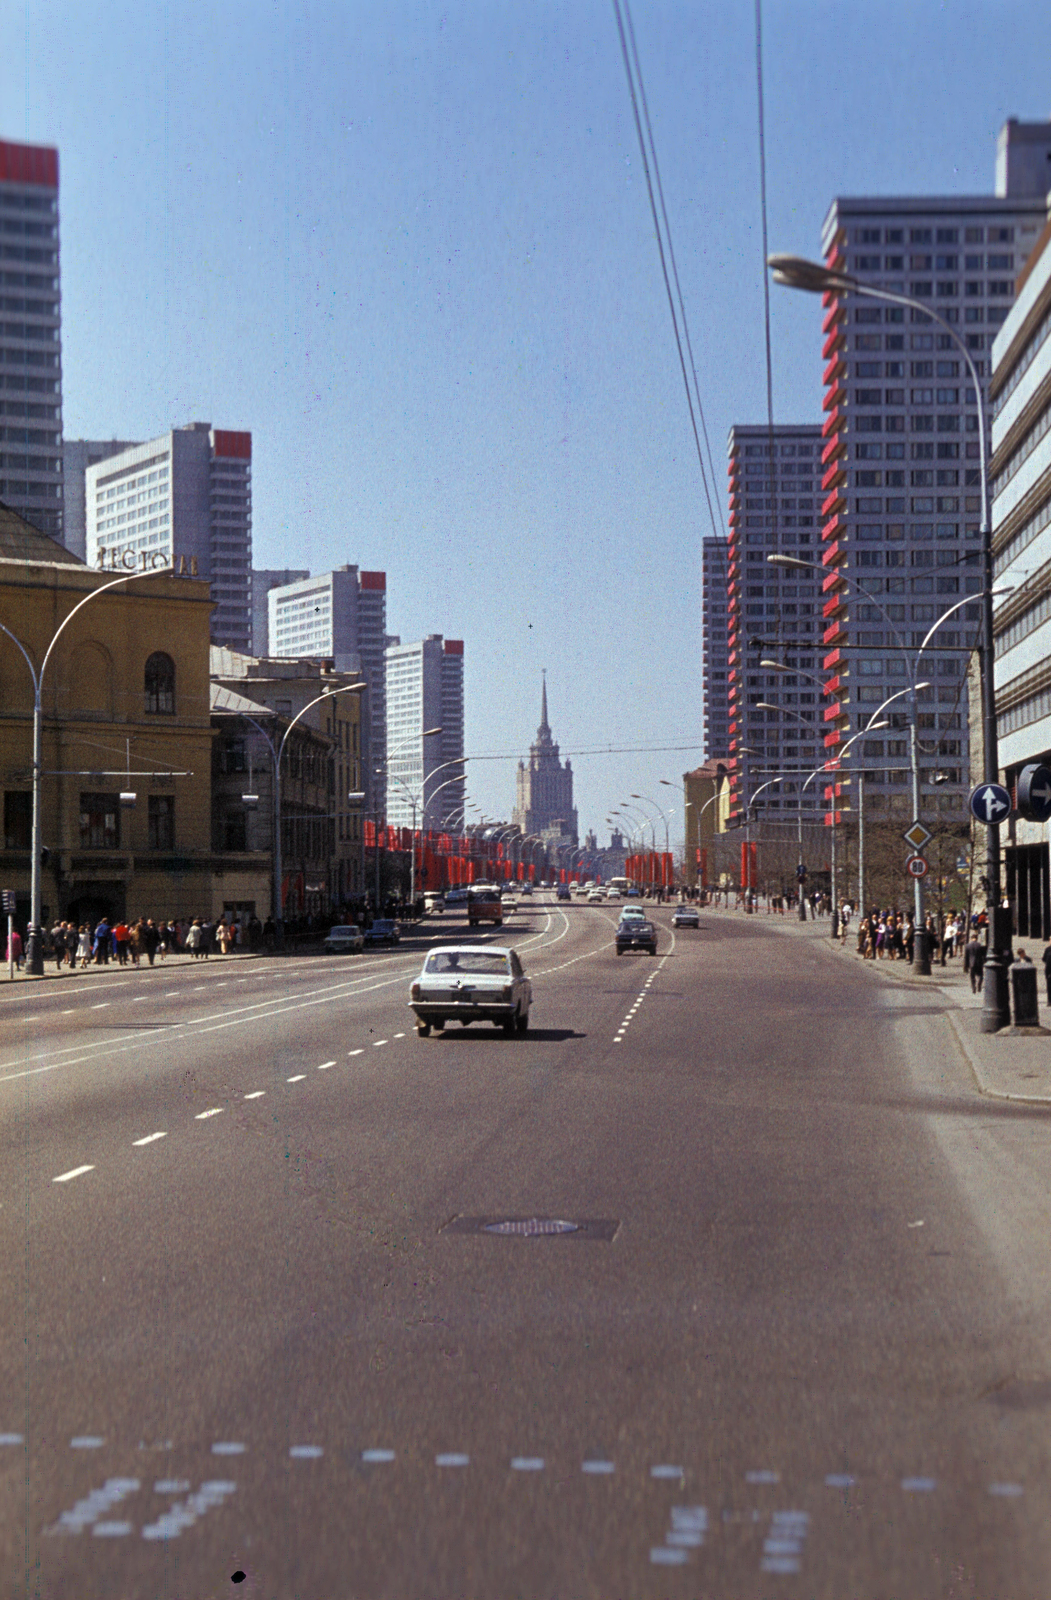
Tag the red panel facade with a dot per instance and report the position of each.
(373, 580)
(235, 445)
(453, 647)
(29, 163)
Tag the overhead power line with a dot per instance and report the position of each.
(650, 167)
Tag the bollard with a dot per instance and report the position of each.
(1023, 995)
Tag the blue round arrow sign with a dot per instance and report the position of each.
(991, 804)
(1034, 792)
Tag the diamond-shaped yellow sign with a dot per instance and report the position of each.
(917, 835)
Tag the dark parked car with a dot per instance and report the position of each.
(638, 934)
(383, 931)
(562, 892)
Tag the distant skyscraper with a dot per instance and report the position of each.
(544, 787)
(31, 351)
(263, 580)
(339, 614)
(774, 614)
(424, 690)
(714, 558)
(77, 456)
(187, 499)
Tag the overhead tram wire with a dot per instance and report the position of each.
(619, 8)
(671, 254)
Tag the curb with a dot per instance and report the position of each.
(983, 1089)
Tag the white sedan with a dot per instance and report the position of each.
(466, 983)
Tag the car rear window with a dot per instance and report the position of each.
(341, 932)
(467, 961)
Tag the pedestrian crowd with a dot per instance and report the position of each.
(74, 945)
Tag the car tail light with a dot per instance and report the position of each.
(414, 992)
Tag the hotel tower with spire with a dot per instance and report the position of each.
(544, 786)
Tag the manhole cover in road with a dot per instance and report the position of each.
(602, 1228)
(532, 1226)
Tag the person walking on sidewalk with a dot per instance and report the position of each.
(974, 962)
(13, 952)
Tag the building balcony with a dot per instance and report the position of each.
(836, 474)
(834, 580)
(835, 554)
(837, 340)
(834, 450)
(834, 605)
(833, 504)
(834, 528)
(835, 422)
(832, 660)
(837, 368)
(836, 397)
(834, 316)
(835, 713)
(834, 739)
(835, 633)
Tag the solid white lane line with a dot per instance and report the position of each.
(298, 1078)
(214, 1112)
(74, 1172)
(149, 1139)
(256, 1094)
(324, 1065)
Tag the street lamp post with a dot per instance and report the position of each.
(34, 943)
(381, 767)
(794, 272)
(276, 753)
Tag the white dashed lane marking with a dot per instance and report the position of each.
(452, 1459)
(150, 1138)
(213, 1112)
(256, 1094)
(297, 1079)
(74, 1172)
(323, 1066)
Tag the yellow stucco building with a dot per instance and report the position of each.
(126, 712)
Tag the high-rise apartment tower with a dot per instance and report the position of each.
(183, 500)
(30, 347)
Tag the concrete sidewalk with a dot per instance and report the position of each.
(1006, 1066)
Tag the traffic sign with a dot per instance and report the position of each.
(1034, 792)
(801, 872)
(8, 899)
(917, 835)
(916, 867)
(991, 804)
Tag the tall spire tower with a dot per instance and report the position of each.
(544, 787)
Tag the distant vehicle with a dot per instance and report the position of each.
(525, 889)
(632, 894)
(456, 899)
(508, 900)
(467, 983)
(686, 917)
(484, 905)
(344, 940)
(433, 901)
(632, 914)
(614, 895)
(383, 931)
(596, 896)
(636, 934)
(562, 892)
(619, 885)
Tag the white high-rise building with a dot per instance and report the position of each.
(424, 691)
(77, 456)
(183, 500)
(263, 580)
(30, 347)
(900, 462)
(339, 615)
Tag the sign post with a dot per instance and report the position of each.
(8, 899)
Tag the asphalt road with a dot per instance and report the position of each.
(797, 1346)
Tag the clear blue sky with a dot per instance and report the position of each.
(409, 247)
